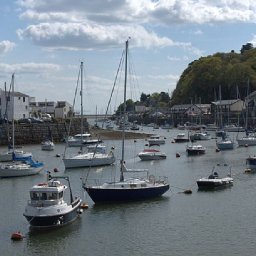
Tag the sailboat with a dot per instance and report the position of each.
(249, 139)
(23, 164)
(7, 156)
(130, 189)
(87, 159)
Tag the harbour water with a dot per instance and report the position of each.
(209, 223)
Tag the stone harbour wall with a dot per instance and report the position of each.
(35, 133)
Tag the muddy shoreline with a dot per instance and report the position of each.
(116, 135)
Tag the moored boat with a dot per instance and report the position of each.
(129, 189)
(214, 181)
(195, 149)
(181, 138)
(151, 154)
(156, 140)
(251, 162)
(47, 145)
(47, 208)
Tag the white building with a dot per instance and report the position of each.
(63, 109)
(42, 107)
(9, 101)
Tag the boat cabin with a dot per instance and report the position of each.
(45, 194)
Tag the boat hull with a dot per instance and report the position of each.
(225, 145)
(92, 162)
(99, 195)
(8, 173)
(247, 141)
(212, 183)
(51, 221)
(151, 157)
(193, 152)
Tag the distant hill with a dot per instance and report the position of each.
(201, 80)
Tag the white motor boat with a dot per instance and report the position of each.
(151, 154)
(195, 150)
(200, 136)
(47, 208)
(156, 140)
(181, 137)
(79, 140)
(248, 140)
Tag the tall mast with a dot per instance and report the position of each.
(13, 132)
(82, 112)
(123, 130)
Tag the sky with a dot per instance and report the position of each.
(43, 43)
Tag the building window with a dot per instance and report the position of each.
(24, 99)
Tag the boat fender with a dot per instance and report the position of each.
(84, 206)
(17, 236)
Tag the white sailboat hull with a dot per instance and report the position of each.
(89, 160)
(18, 170)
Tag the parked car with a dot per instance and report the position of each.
(24, 121)
(36, 120)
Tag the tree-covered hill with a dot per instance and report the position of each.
(201, 81)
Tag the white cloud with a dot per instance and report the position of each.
(6, 46)
(29, 68)
(73, 36)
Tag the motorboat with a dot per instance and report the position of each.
(79, 140)
(233, 128)
(200, 136)
(47, 145)
(127, 189)
(248, 140)
(151, 154)
(214, 181)
(195, 149)
(156, 140)
(251, 162)
(181, 137)
(47, 207)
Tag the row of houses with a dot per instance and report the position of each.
(18, 105)
(221, 112)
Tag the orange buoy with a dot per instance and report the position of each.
(177, 154)
(84, 206)
(17, 236)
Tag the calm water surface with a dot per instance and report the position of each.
(203, 223)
